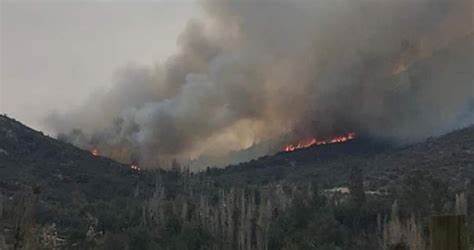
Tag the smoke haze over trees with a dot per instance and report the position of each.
(257, 72)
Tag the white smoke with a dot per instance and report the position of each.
(257, 71)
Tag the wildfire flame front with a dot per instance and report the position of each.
(315, 142)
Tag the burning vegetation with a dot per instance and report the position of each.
(95, 152)
(135, 167)
(316, 142)
(237, 80)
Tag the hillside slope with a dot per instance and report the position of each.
(46, 183)
(28, 157)
(449, 157)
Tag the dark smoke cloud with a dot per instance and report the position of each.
(257, 72)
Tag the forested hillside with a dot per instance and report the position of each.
(363, 194)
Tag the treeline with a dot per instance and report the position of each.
(178, 210)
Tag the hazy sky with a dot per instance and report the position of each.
(54, 54)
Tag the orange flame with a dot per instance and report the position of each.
(315, 142)
(135, 167)
(95, 152)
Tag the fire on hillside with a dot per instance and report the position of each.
(95, 152)
(133, 166)
(315, 142)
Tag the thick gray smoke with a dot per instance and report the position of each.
(260, 72)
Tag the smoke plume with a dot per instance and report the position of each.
(269, 71)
